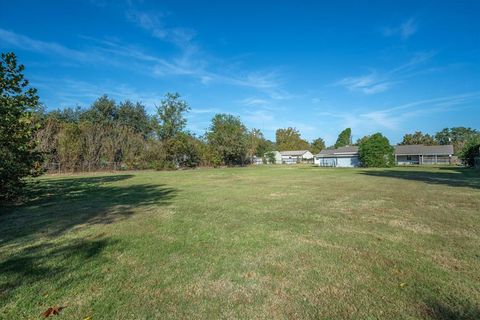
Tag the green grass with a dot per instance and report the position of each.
(260, 242)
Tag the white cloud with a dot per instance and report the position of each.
(204, 111)
(20, 41)
(368, 84)
(405, 30)
(68, 92)
(188, 63)
(152, 22)
(377, 82)
(253, 101)
(192, 61)
(394, 118)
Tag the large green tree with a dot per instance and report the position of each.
(171, 127)
(418, 138)
(344, 138)
(317, 145)
(103, 110)
(376, 151)
(134, 116)
(18, 101)
(171, 116)
(457, 136)
(228, 138)
(290, 139)
(257, 144)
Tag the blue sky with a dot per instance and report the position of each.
(388, 66)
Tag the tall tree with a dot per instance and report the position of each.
(18, 157)
(228, 138)
(418, 138)
(71, 147)
(290, 139)
(103, 110)
(457, 136)
(94, 138)
(264, 146)
(362, 139)
(67, 114)
(171, 124)
(317, 145)
(470, 150)
(171, 116)
(376, 151)
(256, 143)
(344, 138)
(134, 116)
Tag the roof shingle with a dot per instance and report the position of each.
(420, 149)
(293, 152)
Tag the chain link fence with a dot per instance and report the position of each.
(57, 167)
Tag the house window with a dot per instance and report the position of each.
(409, 158)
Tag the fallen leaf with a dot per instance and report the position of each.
(88, 318)
(52, 311)
(403, 284)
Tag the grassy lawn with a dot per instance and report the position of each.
(258, 242)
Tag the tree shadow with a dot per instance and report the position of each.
(34, 254)
(451, 310)
(59, 205)
(454, 177)
(54, 265)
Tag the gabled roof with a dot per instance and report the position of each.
(342, 151)
(420, 149)
(294, 152)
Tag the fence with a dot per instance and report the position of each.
(57, 167)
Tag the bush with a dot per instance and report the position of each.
(376, 151)
(270, 158)
(470, 151)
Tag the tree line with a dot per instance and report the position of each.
(122, 135)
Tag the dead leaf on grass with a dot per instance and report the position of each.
(52, 311)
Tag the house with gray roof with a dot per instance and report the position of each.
(421, 154)
(348, 157)
(343, 157)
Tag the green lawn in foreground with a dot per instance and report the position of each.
(259, 242)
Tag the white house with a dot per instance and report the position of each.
(343, 157)
(296, 156)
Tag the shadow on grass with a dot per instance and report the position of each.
(58, 205)
(454, 310)
(454, 177)
(52, 265)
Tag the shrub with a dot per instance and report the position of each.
(376, 151)
(470, 151)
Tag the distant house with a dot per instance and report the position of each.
(343, 157)
(420, 154)
(348, 157)
(275, 156)
(296, 156)
(257, 160)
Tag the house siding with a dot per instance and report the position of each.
(338, 162)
